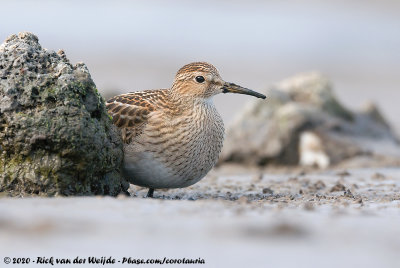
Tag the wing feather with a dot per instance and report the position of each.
(130, 112)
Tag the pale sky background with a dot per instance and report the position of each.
(135, 45)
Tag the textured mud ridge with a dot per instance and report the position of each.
(55, 134)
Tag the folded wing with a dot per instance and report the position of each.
(130, 113)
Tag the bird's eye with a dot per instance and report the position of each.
(200, 79)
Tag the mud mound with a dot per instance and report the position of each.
(55, 134)
(303, 123)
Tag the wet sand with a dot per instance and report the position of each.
(232, 218)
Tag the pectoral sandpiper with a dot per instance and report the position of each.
(172, 137)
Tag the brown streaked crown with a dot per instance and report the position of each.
(186, 86)
(198, 67)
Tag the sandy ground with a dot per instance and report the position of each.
(253, 218)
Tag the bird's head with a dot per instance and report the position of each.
(202, 80)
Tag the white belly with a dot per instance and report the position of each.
(175, 163)
(148, 170)
(143, 170)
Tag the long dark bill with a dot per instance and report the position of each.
(233, 88)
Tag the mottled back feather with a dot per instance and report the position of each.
(130, 112)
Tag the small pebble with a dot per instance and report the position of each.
(338, 187)
(319, 185)
(267, 191)
(343, 173)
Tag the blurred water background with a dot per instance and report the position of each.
(134, 45)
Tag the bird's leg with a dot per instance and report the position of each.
(150, 192)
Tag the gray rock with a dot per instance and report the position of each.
(56, 137)
(302, 122)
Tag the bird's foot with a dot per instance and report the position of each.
(150, 192)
